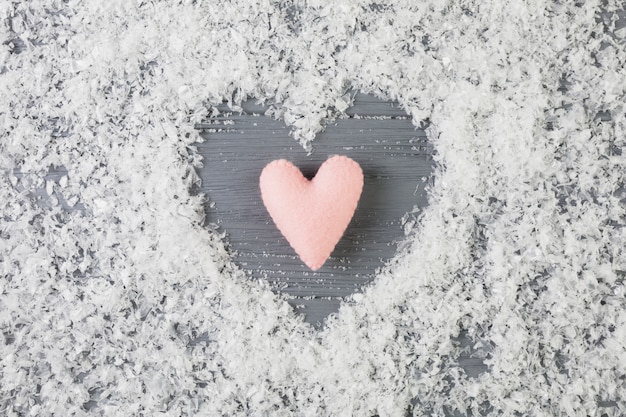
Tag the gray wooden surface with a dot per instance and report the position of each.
(397, 163)
(395, 157)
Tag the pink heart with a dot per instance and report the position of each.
(312, 214)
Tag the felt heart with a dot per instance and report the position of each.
(312, 214)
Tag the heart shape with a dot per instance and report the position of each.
(312, 214)
(396, 159)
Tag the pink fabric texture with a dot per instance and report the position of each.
(312, 215)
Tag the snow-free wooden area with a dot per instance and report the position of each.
(396, 158)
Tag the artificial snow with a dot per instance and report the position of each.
(115, 299)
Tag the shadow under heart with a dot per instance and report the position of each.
(397, 163)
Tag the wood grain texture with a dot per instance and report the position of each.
(397, 162)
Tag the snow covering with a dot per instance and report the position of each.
(127, 305)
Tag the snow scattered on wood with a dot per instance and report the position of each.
(129, 306)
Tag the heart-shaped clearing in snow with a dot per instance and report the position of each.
(396, 159)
